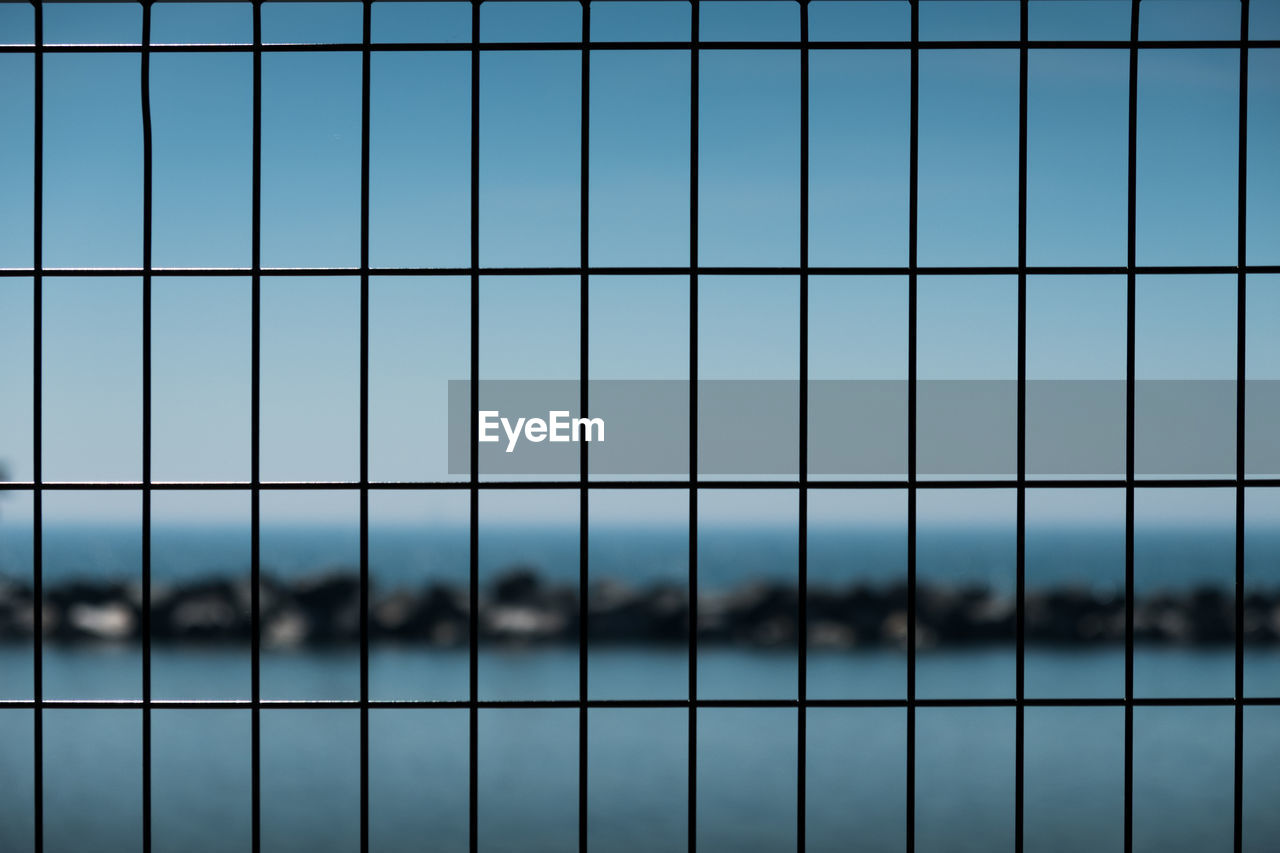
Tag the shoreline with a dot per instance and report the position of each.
(520, 607)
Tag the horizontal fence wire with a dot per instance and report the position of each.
(539, 485)
(934, 702)
(461, 272)
(507, 47)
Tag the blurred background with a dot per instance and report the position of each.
(637, 540)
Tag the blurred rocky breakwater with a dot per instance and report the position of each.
(521, 607)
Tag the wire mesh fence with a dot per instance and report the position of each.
(804, 47)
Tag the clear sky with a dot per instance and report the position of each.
(530, 135)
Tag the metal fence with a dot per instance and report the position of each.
(803, 271)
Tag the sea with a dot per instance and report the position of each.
(744, 772)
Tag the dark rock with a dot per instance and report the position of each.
(618, 613)
(438, 616)
(1074, 615)
(520, 585)
(16, 610)
(329, 605)
(204, 611)
(520, 607)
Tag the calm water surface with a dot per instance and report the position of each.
(637, 759)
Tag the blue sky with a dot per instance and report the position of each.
(749, 196)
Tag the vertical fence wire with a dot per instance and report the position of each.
(692, 784)
(802, 460)
(255, 456)
(1242, 161)
(1020, 622)
(145, 83)
(474, 447)
(913, 187)
(37, 452)
(584, 373)
(1130, 372)
(366, 26)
